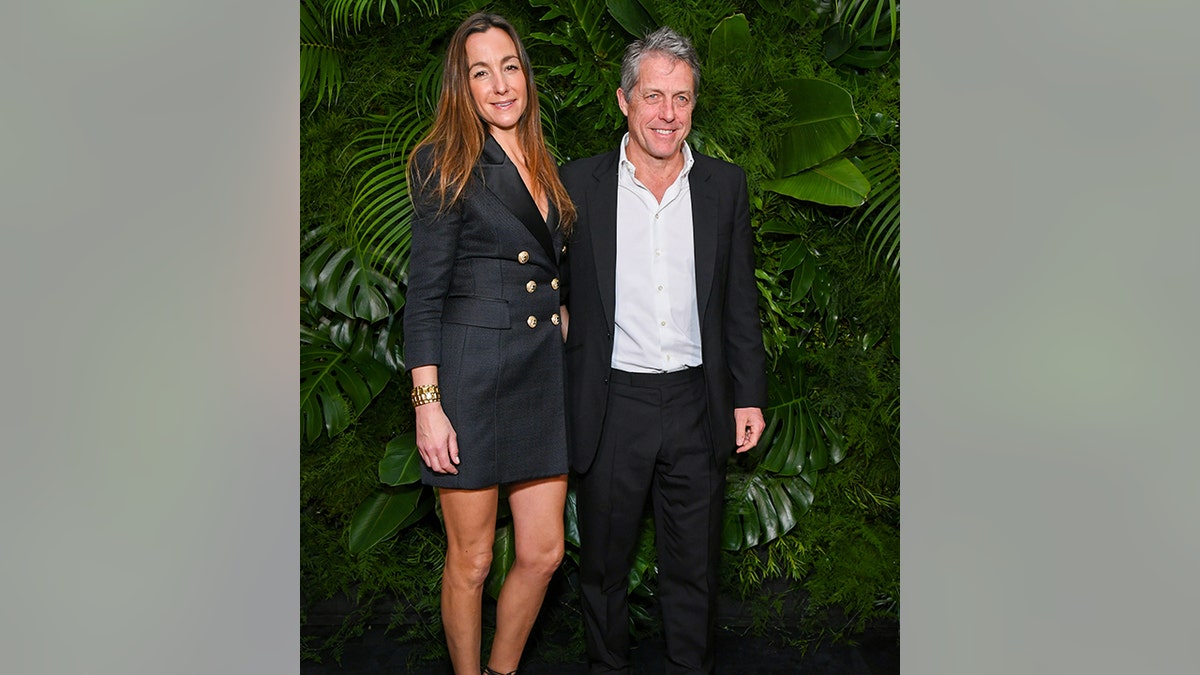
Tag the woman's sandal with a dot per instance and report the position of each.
(488, 671)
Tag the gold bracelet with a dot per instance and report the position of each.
(425, 393)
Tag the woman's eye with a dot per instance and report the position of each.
(479, 73)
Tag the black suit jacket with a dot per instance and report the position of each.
(726, 293)
(482, 304)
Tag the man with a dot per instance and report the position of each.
(665, 360)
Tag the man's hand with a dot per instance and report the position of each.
(749, 425)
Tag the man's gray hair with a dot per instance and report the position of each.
(663, 42)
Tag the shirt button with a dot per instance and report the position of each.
(660, 288)
(523, 257)
(532, 321)
(531, 286)
(662, 323)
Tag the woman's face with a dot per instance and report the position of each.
(497, 79)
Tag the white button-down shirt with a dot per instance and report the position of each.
(657, 322)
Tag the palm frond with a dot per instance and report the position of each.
(320, 59)
(880, 217)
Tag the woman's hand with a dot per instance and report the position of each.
(436, 440)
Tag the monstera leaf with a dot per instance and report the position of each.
(340, 281)
(335, 385)
(797, 438)
(760, 508)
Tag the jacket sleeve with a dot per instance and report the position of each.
(430, 268)
(743, 327)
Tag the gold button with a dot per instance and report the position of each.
(554, 283)
(554, 319)
(523, 257)
(532, 321)
(564, 248)
(531, 286)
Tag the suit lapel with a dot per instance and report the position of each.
(502, 179)
(704, 231)
(602, 216)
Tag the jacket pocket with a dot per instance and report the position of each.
(477, 311)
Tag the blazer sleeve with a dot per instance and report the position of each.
(430, 268)
(743, 329)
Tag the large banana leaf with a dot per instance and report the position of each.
(730, 41)
(335, 385)
(822, 124)
(837, 182)
(384, 514)
(636, 18)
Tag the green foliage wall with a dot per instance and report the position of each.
(813, 513)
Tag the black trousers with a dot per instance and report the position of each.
(655, 442)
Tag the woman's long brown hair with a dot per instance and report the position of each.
(458, 133)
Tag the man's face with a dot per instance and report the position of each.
(659, 109)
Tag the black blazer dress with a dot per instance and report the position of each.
(482, 305)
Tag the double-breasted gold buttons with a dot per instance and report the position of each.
(555, 320)
(554, 283)
(531, 321)
(531, 286)
(523, 257)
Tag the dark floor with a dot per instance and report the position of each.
(876, 652)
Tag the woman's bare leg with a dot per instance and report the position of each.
(470, 519)
(537, 508)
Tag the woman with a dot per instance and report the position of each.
(484, 333)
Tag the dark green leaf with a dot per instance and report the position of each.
(381, 516)
(730, 41)
(504, 553)
(401, 463)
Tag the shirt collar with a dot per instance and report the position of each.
(627, 166)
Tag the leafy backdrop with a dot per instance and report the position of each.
(805, 97)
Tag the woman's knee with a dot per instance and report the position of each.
(470, 569)
(543, 560)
